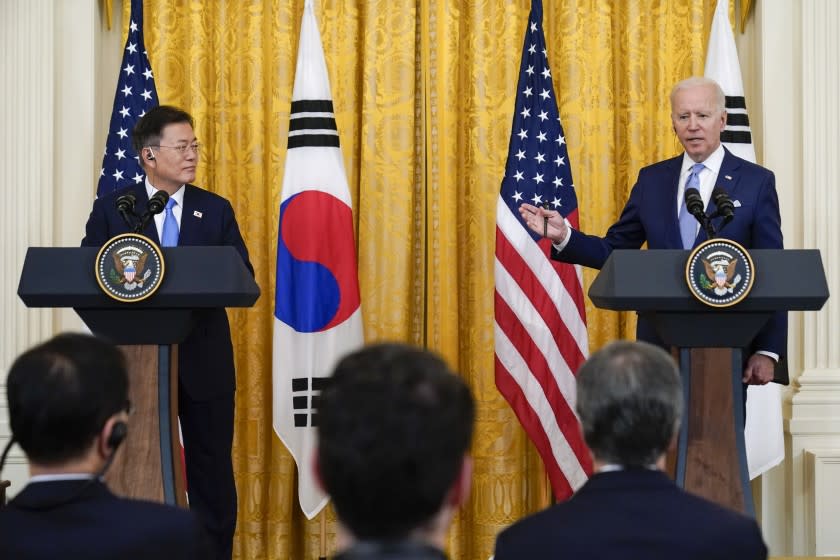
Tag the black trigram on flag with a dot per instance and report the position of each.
(312, 123)
(737, 122)
(306, 397)
(723, 67)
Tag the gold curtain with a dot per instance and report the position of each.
(424, 93)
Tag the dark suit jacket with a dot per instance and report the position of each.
(391, 550)
(650, 215)
(633, 514)
(83, 519)
(205, 358)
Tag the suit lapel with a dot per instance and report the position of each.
(672, 180)
(730, 174)
(190, 215)
(728, 179)
(142, 204)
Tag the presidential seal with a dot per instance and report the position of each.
(719, 272)
(129, 267)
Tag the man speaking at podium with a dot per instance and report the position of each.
(168, 150)
(656, 212)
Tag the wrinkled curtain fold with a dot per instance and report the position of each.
(423, 93)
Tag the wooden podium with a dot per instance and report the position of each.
(711, 456)
(148, 464)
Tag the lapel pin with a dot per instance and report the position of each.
(728, 177)
(197, 214)
(736, 203)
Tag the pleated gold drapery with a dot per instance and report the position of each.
(424, 92)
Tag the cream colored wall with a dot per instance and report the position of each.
(59, 67)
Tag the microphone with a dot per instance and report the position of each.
(155, 206)
(725, 208)
(158, 202)
(694, 205)
(125, 206)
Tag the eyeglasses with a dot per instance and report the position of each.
(182, 149)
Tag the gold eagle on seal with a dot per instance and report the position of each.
(723, 275)
(130, 269)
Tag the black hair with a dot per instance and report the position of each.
(61, 393)
(149, 128)
(394, 425)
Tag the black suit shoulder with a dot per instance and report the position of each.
(70, 519)
(633, 516)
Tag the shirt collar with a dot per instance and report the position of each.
(613, 467)
(712, 163)
(178, 196)
(62, 476)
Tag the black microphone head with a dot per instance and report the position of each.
(725, 207)
(126, 202)
(158, 202)
(693, 201)
(719, 194)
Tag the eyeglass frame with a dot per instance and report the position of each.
(182, 149)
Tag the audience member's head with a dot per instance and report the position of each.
(67, 402)
(629, 399)
(394, 430)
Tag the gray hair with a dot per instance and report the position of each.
(697, 81)
(629, 399)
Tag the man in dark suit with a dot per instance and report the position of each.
(67, 410)
(168, 150)
(629, 399)
(394, 431)
(655, 212)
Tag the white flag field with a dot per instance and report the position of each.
(317, 312)
(763, 434)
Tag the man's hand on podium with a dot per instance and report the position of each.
(759, 370)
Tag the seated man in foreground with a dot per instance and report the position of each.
(394, 430)
(68, 401)
(629, 400)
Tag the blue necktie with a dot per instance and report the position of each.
(688, 223)
(169, 234)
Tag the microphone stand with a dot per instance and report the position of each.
(707, 226)
(155, 206)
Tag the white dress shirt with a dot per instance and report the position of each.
(177, 210)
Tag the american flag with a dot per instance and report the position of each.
(135, 95)
(540, 328)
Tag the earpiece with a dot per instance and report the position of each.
(118, 433)
(151, 155)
